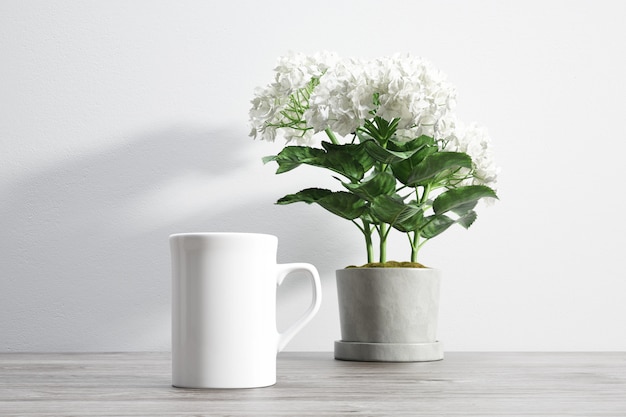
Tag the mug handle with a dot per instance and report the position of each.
(282, 272)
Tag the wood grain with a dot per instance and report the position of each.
(314, 384)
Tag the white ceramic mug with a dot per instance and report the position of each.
(224, 309)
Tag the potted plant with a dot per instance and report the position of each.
(403, 163)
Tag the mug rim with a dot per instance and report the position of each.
(218, 234)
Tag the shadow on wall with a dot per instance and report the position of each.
(84, 249)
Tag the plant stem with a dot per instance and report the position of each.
(367, 231)
(427, 189)
(331, 136)
(383, 242)
(416, 243)
(415, 246)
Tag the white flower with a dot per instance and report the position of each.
(271, 104)
(474, 140)
(350, 91)
(414, 91)
(295, 70)
(400, 87)
(342, 100)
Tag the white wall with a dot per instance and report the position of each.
(123, 122)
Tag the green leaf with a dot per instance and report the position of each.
(412, 223)
(378, 184)
(343, 204)
(269, 158)
(309, 195)
(416, 144)
(436, 224)
(342, 163)
(386, 156)
(463, 209)
(340, 203)
(380, 129)
(293, 156)
(423, 146)
(392, 210)
(352, 156)
(461, 197)
(467, 220)
(439, 223)
(435, 164)
(347, 160)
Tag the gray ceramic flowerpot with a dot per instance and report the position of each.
(388, 314)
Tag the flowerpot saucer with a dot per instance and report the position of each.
(388, 352)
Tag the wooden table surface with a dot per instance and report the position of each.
(314, 384)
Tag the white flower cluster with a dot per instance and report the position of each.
(474, 140)
(402, 87)
(269, 104)
(350, 91)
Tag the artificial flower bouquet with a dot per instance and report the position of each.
(391, 139)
